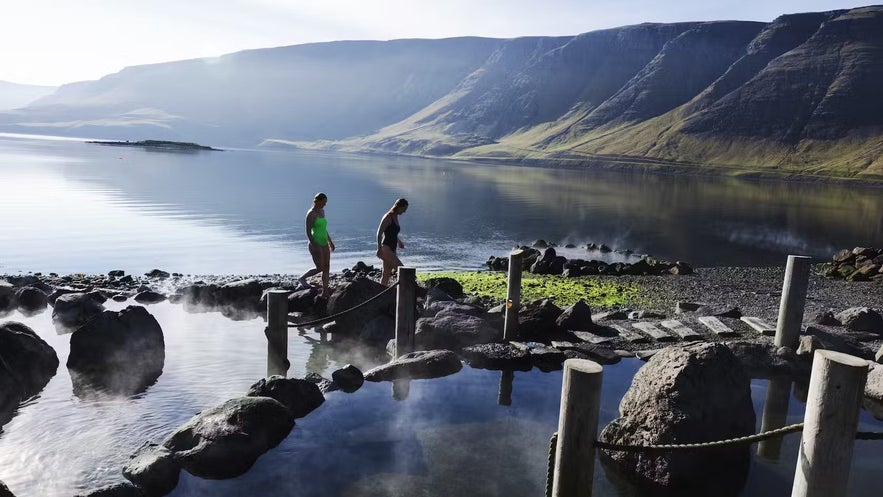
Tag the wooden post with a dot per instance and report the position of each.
(793, 300)
(513, 295)
(406, 304)
(577, 429)
(775, 414)
(836, 389)
(277, 332)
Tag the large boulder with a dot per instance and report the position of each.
(31, 299)
(450, 286)
(27, 363)
(576, 317)
(4, 490)
(548, 263)
(120, 353)
(73, 309)
(349, 378)
(861, 319)
(451, 307)
(379, 330)
(7, 295)
(225, 441)
(356, 292)
(697, 393)
(537, 320)
(303, 300)
(245, 294)
(423, 364)
(300, 397)
(452, 331)
(153, 469)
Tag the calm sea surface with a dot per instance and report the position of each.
(73, 207)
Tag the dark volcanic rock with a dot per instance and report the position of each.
(31, 299)
(417, 365)
(114, 490)
(225, 441)
(149, 297)
(497, 356)
(449, 285)
(153, 469)
(861, 319)
(349, 378)
(4, 490)
(117, 352)
(576, 317)
(452, 330)
(157, 273)
(356, 292)
(537, 319)
(761, 360)
(300, 397)
(27, 363)
(74, 309)
(697, 393)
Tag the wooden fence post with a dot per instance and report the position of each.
(277, 332)
(513, 295)
(406, 303)
(793, 301)
(577, 429)
(836, 389)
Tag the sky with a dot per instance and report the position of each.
(52, 42)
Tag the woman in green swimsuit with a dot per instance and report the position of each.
(320, 245)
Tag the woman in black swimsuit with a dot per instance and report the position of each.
(388, 239)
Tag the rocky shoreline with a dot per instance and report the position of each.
(452, 328)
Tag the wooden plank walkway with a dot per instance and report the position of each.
(681, 330)
(592, 338)
(628, 334)
(716, 326)
(759, 325)
(653, 331)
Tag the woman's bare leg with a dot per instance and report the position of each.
(390, 263)
(326, 270)
(317, 261)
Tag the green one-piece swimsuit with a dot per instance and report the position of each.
(320, 231)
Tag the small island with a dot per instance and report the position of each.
(158, 145)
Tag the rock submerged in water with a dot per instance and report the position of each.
(74, 309)
(418, 365)
(120, 353)
(696, 393)
(300, 397)
(27, 365)
(225, 441)
(153, 469)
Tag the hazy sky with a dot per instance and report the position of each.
(59, 41)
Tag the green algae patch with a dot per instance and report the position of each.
(594, 290)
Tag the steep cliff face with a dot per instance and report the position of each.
(798, 95)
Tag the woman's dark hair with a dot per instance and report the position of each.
(319, 197)
(399, 204)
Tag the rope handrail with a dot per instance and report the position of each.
(704, 445)
(341, 313)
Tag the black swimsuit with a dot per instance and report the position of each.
(391, 235)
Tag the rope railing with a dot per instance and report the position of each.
(332, 317)
(757, 437)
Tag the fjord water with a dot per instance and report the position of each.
(76, 207)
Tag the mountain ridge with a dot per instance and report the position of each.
(795, 96)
